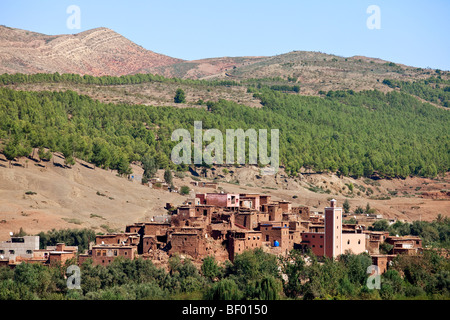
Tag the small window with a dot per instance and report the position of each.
(115, 252)
(29, 251)
(359, 241)
(98, 253)
(348, 241)
(2, 251)
(126, 253)
(12, 252)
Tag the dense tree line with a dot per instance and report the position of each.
(434, 89)
(254, 275)
(357, 134)
(71, 237)
(18, 78)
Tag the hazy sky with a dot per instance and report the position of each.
(412, 32)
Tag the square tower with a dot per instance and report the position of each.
(333, 230)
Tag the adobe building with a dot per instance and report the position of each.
(26, 249)
(275, 235)
(61, 253)
(275, 212)
(405, 245)
(104, 254)
(382, 261)
(118, 238)
(250, 201)
(264, 199)
(374, 239)
(286, 206)
(189, 240)
(333, 241)
(247, 219)
(302, 212)
(242, 240)
(225, 200)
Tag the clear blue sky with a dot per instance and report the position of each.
(412, 32)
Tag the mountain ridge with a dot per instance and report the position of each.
(102, 51)
(97, 52)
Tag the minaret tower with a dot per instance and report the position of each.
(333, 230)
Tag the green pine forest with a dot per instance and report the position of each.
(368, 133)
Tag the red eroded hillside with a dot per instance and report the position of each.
(96, 52)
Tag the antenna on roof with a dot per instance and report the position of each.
(11, 234)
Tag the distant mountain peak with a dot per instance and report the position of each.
(99, 51)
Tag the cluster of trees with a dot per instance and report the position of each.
(409, 277)
(359, 134)
(71, 237)
(7, 79)
(254, 275)
(286, 88)
(354, 134)
(435, 233)
(433, 89)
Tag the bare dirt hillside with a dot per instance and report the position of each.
(40, 196)
(77, 197)
(96, 52)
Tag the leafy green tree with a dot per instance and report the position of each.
(11, 151)
(267, 288)
(210, 269)
(185, 190)
(69, 161)
(359, 210)
(168, 177)
(380, 225)
(225, 289)
(294, 267)
(180, 96)
(346, 206)
(150, 168)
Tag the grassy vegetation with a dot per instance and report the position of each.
(254, 275)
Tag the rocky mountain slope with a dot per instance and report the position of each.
(96, 52)
(102, 51)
